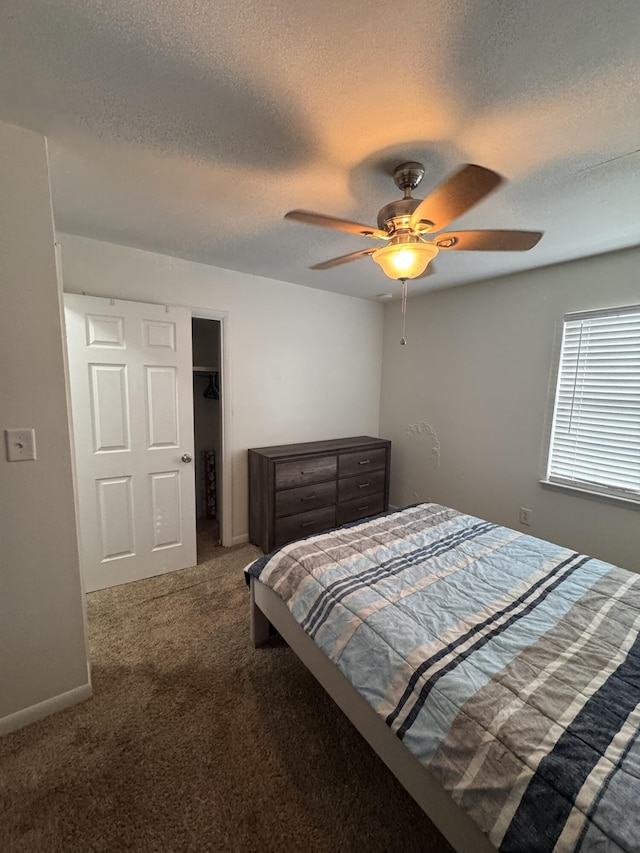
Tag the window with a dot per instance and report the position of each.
(595, 435)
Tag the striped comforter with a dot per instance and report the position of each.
(509, 666)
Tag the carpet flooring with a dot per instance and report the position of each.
(194, 741)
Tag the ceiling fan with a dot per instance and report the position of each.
(404, 224)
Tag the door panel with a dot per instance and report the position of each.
(115, 507)
(131, 391)
(109, 407)
(159, 335)
(165, 506)
(162, 409)
(105, 331)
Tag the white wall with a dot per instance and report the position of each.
(43, 663)
(477, 370)
(304, 364)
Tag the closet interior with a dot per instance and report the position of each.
(207, 422)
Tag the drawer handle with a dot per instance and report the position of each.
(364, 462)
(306, 523)
(364, 485)
(362, 508)
(309, 497)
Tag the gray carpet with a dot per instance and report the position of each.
(194, 741)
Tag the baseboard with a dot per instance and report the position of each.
(393, 508)
(44, 709)
(241, 540)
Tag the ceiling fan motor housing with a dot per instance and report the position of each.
(395, 216)
(404, 207)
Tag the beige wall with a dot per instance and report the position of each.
(303, 364)
(43, 662)
(476, 371)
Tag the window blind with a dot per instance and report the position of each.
(595, 435)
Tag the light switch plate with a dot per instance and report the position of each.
(21, 444)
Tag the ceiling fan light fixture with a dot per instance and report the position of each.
(405, 258)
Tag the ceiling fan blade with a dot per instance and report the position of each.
(343, 259)
(489, 241)
(455, 196)
(339, 224)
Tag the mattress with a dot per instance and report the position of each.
(508, 666)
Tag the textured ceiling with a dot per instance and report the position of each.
(191, 127)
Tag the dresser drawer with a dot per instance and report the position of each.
(299, 472)
(362, 461)
(305, 523)
(351, 488)
(361, 508)
(305, 498)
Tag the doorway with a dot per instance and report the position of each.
(207, 428)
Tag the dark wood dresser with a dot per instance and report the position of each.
(299, 489)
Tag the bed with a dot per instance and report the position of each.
(497, 675)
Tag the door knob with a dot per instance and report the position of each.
(186, 457)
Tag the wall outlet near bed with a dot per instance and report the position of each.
(526, 516)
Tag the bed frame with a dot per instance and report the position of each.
(459, 830)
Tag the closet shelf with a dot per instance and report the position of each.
(201, 369)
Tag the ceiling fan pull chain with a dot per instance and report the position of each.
(405, 286)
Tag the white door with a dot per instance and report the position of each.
(132, 400)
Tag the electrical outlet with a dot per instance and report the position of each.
(526, 516)
(21, 444)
